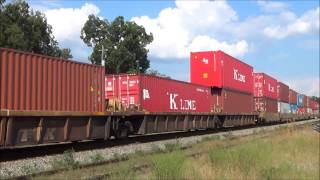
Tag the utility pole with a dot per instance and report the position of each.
(102, 56)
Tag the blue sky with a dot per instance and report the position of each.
(278, 38)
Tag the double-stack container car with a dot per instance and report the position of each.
(45, 99)
(265, 93)
(293, 101)
(314, 107)
(230, 80)
(50, 100)
(283, 98)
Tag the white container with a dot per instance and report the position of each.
(283, 107)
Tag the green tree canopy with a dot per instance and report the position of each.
(156, 73)
(24, 29)
(124, 43)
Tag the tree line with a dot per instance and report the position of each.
(124, 42)
(25, 29)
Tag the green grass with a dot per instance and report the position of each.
(283, 157)
(287, 153)
(67, 160)
(168, 166)
(97, 158)
(123, 172)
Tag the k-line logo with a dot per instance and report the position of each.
(270, 88)
(146, 94)
(181, 104)
(205, 61)
(237, 76)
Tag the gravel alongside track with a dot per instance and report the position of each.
(40, 164)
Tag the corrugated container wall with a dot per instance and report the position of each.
(314, 105)
(155, 94)
(263, 104)
(231, 101)
(265, 86)
(284, 107)
(283, 92)
(292, 97)
(220, 70)
(300, 100)
(42, 83)
(305, 101)
(308, 102)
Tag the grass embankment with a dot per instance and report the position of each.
(282, 154)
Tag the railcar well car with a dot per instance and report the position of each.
(50, 100)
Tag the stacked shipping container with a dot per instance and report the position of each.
(265, 93)
(293, 101)
(283, 98)
(230, 80)
(314, 106)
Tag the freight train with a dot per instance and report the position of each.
(47, 100)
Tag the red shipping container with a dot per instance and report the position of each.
(218, 69)
(301, 110)
(314, 105)
(230, 101)
(305, 101)
(292, 97)
(309, 102)
(283, 92)
(42, 83)
(265, 86)
(263, 104)
(156, 94)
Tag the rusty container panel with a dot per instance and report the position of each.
(220, 70)
(42, 83)
(231, 101)
(155, 94)
(308, 102)
(305, 101)
(263, 104)
(283, 92)
(264, 86)
(314, 105)
(292, 97)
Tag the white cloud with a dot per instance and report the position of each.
(308, 86)
(67, 22)
(307, 23)
(66, 27)
(272, 6)
(191, 26)
(211, 25)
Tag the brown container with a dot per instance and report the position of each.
(305, 101)
(264, 104)
(283, 92)
(231, 101)
(292, 97)
(42, 83)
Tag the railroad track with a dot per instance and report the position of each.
(52, 149)
(144, 139)
(316, 126)
(58, 148)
